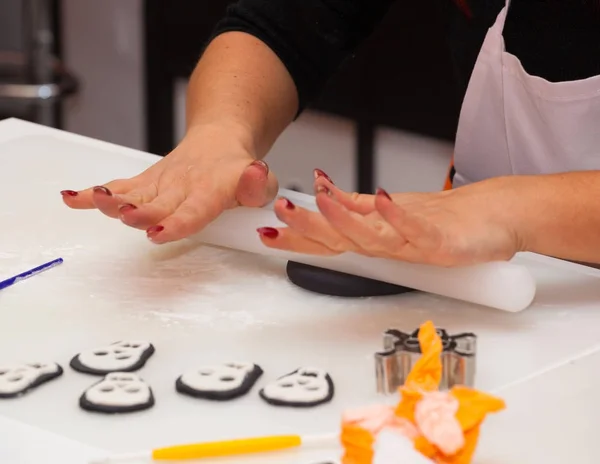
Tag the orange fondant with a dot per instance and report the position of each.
(474, 406)
(406, 407)
(357, 443)
(425, 448)
(360, 428)
(426, 373)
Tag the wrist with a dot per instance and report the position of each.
(511, 205)
(230, 138)
(521, 210)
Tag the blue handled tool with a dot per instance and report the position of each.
(27, 274)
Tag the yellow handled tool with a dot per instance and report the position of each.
(228, 448)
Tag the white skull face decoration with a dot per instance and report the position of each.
(302, 388)
(124, 356)
(15, 380)
(118, 392)
(219, 382)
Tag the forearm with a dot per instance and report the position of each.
(559, 215)
(241, 85)
(270, 58)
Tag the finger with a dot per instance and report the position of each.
(109, 203)
(138, 196)
(257, 186)
(148, 214)
(84, 199)
(312, 225)
(412, 227)
(105, 201)
(192, 215)
(360, 203)
(290, 240)
(381, 241)
(373, 237)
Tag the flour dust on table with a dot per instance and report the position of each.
(17, 380)
(305, 387)
(221, 382)
(118, 392)
(123, 356)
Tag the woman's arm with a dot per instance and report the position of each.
(266, 60)
(269, 58)
(240, 85)
(559, 214)
(556, 215)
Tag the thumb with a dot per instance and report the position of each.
(257, 185)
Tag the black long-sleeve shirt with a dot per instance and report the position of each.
(558, 40)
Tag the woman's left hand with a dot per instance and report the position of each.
(472, 224)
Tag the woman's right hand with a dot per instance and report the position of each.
(209, 172)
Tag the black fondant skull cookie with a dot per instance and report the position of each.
(305, 387)
(220, 382)
(18, 379)
(118, 392)
(123, 356)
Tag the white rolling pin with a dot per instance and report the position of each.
(501, 285)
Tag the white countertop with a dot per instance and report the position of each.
(199, 304)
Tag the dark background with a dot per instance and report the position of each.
(402, 77)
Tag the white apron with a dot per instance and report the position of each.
(514, 123)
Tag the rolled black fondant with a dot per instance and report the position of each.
(334, 283)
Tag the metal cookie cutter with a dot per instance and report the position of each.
(402, 350)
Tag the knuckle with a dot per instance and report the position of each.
(355, 196)
(340, 245)
(379, 227)
(336, 245)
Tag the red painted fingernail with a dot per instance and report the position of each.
(318, 173)
(69, 193)
(262, 164)
(383, 193)
(155, 230)
(323, 189)
(288, 204)
(104, 190)
(268, 232)
(127, 207)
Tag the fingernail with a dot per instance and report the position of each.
(318, 173)
(104, 190)
(268, 232)
(262, 164)
(127, 207)
(323, 189)
(288, 204)
(383, 193)
(154, 230)
(69, 193)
